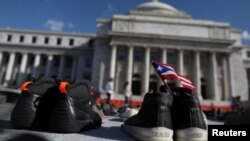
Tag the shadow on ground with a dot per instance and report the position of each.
(5, 124)
(109, 133)
(27, 137)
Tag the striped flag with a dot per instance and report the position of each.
(165, 71)
(185, 82)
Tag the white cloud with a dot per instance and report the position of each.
(55, 25)
(109, 11)
(70, 25)
(245, 35)
(111, 7)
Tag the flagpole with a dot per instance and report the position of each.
(166, 85)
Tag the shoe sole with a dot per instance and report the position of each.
(63, 120)
(149, 134)
(191, 134)
(23, 113)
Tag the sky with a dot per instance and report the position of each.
(81, 15)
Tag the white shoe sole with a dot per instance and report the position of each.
(149, 134)
(191, 134)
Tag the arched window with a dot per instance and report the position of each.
(136, 84)
(204, 88)
(153, 82)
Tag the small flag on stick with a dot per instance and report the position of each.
(167, 72)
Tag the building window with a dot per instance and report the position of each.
(248, 54)
(187, 59)
(19, 59)
(171, 58)
(59, 41)
(32, 60)
(138, 55)
(34, 39)
(88, 62)
(7, 58)
(71, 42)
(204, 88)
(154, 56)
(121, 55)
(153, 82)
(67, 77)
(219, 60)
(86, 76)
(21, 39)
(46, 40)
(9, 38)
(56, 62)
(69, 62)
(136, 84)
(91, 43)
(44, 61)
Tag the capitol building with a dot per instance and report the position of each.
(210, 53)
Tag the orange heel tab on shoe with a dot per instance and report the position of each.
(24, 86)
(62, 87)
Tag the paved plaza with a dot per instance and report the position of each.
(110, 130)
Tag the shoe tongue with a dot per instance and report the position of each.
(42, 85)
(163, 88)
(80, 89)
(157, 96)
(181, 90)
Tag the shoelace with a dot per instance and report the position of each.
(36, 101)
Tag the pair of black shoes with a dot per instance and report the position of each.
(166, 115)
(58, 106)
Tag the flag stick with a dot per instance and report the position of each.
(166, 85)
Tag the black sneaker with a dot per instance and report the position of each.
(48, 86)
(23, 114)
(72, 109)
(188, 119)
(153, 121)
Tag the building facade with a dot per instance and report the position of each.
(209, 53)
(25, 54)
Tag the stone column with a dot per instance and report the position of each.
(1, 68)
(225, 78)
(145, 85)
(112, 68)
(130, 65)
(48, 65)
(22, 69)
(36, 64)
(197, 74)
(231, 75)
(164, 61)
(9, 69)
(80, 66)
(214, 78)
(180, 62)
(61, 66)
(113, 61)
(164, 55)
(73, 70)
(101, 77)
(1, 58)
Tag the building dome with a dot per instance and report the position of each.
(156, 5)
